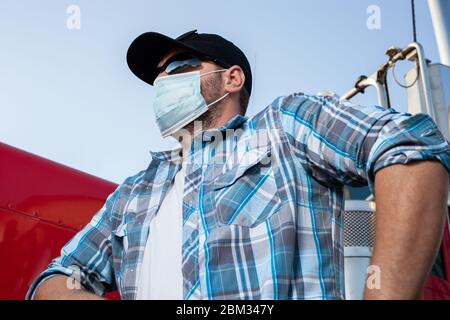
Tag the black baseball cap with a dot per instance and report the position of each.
(147, 50)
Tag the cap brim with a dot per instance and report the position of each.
(147, 50)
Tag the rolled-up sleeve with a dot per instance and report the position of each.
(87, 257)
(341, 142)
(402, 138)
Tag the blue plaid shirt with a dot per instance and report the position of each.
(263, 202)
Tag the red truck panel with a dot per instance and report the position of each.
(42, 205)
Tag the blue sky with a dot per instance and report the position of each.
(69, 96)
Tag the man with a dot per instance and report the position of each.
(252, 208)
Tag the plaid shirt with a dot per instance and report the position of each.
(263, 202)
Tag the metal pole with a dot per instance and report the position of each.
(412, 51)
(440, 15)
(371, 81)
(425, 78)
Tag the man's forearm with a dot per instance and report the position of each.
(56, 288)
(411, 207)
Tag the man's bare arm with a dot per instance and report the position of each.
(411, 205)
(56, 288)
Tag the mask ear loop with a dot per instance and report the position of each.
(221, 98)
(214, 71)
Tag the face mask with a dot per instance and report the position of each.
(179, 100)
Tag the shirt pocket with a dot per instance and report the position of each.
(246, 194)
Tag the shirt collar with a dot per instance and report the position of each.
(234, 123)
(175, 155)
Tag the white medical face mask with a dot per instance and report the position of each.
(179, 100)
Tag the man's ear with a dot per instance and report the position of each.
(234, 79)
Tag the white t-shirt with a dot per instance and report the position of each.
(160, 274)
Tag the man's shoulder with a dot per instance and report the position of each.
(287, 105)
(298, 100)
(323, 106)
